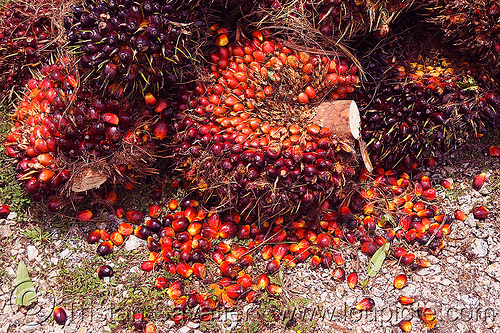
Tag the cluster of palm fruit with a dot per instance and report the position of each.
(137, 45)
(195, 248)
(472, 26)
(62, 128)
(415, 107)
(341, 19)
(246, 133)
(26, 40)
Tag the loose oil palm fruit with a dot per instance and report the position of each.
(105, 271)
(59, 315)
(400, 281)
(365, 304)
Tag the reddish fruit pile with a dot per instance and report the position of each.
(26, 39)
(471, 25)
(247, 132)
(187, 241)
(62, 131)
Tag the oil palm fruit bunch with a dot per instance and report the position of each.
(472, 26)
(247, 132)
(341, 19)
(417, 106)
(136, 45)
(26, 39)
(63, 131)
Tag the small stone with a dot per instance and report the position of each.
(432, 270)
(192, 325)
(493, 271)
(70, 328)
(64, 254)
(480, 248)
(5, 231)
(132, 243)
(184, 329)
(169, 323)
(54, 261)
(32, 252)
(10, 272)
(82, 330)
(11, 218)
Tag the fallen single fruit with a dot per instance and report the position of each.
(365, 304)
(405, 300)
(479, 181)
(400, 281)
(4, 211)
(480, 213)
(405, 326)
(60, 315)
(104, 271)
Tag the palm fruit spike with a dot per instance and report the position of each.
(472, 26)
(134, 45)
(26, 40)
(422, 106)
(251, 128)
(342, 20)
(60, 127)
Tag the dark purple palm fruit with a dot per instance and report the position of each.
(135, 45)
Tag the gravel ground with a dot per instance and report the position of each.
(462, 285)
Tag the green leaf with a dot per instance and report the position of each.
(388, 218)
(25, 291)
(377, 259)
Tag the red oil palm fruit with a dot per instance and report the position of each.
(365, 304)
(479, 181)
(174, 291)
(262, 281)
(369, 248)
(161, 283)
(480, 213)
(405, 300)
(338, 274)
(267, 252)
(105, 248)
(199, 270)
(134, 216)
(184, 269)
(150, 328)
(138, 321)
(407, 259)
(251, 296)
(94, 237)
(59, 315)
(272, 266)
(147, 266)
(352, 280)
(405, 325)
(460, 215)
(289, 261)
(274, 289)
(315, 262)
(400, 281)
(326, 260)
(279, 251)
(84, 215)
(104, 271)
(235, 291)
(228, 269)
(125, 229)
